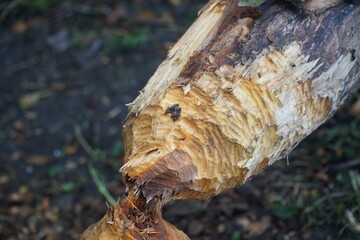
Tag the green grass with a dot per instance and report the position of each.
(66, 187)
(95, 156)
(100, 183)
(235, 235)
(55, 170)
(117, 149)
(286, 211)
(331, 203)
(37, 4)
(117, 42)
(344, 138)
(114, 41)
(81, 39)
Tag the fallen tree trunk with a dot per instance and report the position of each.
(238, 91)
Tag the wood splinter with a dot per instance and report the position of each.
(235, 94)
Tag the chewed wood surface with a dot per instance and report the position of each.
(237, 92)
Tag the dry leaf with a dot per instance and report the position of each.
(70, 149)
(39, 160)
(116, 14)
(258, 228)
(20, 27)
(175, 2)
(355, 109)
(31, 99)
(147, 15)
(322, 176)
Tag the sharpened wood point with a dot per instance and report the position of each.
(132, 220)
(238, 92)
(163, 178)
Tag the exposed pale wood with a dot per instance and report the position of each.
(131, 220)
(248, 93)
(237, 92)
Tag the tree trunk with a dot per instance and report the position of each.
(237, 92)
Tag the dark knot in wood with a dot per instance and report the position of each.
(175, 112)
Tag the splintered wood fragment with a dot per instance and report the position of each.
(131, 220)
(238, 91)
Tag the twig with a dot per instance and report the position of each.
(325, 198)
(21, 65)
(131, 203)
(350, 217)
(13, 4)
(353, 181)
(341, 166)
(297, 186)
(293, 185)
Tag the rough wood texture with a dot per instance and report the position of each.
(132, 220)
(238, 91)
(249, 91)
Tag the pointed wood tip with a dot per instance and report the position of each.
(133, 220)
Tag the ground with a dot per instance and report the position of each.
(67, 70)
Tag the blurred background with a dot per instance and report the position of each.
(67, 69)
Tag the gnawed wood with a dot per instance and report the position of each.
(249, 93)
(239, 91)
(133, 220)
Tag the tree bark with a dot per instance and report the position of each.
(237, 92)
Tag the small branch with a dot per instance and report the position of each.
(325, 198)
(341, 166)
(13, 4)
(353, 181)
(350, 217)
